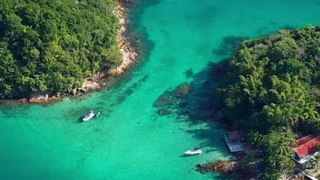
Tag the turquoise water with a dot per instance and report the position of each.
(129, 140)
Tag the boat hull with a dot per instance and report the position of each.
(88, 116)
(193, 152)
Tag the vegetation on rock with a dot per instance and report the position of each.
(272, 89)
(53, 45)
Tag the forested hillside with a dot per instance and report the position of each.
(52, 45)
(272, 90)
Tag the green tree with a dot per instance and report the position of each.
(272, 89)
(50, 46)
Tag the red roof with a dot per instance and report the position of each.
(307, 145)
(305, 139)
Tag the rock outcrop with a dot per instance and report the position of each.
(126, 45)
(40, 98)
(225, 167)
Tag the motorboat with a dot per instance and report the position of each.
(194, 151)
(88, 116)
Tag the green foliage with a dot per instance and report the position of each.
(271, 175)
(278, 146)
(52, 45)
(274, 80)
(247, 160)
(273, 86)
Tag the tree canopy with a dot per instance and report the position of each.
(272, 88)
(52, 45)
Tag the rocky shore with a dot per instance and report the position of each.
(129, 52)
(127, 45)
(127, 48)
(240, 168)
(225, 167)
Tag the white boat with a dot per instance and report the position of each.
(194, 151)
(88, 116)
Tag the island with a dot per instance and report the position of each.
(52, 47)
(271, 93)
(269, 96)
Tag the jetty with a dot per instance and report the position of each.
(233, 141)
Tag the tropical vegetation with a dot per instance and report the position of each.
(272, 90)
(52, 45)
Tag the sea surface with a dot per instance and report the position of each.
(129, 140)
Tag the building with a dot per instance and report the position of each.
(305, 150)
(233, 141)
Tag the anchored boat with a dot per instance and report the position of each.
(89, 116)
(194, 151)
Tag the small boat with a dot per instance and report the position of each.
(88, 116)
(194, 151)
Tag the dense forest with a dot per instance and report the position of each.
(52, 45)
(272, 90)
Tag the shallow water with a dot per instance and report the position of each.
(129, 140)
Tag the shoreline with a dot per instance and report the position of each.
(127, 48)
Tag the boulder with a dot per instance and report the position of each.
(41, 98)
(23, 100)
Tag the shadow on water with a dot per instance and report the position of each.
(184, 156)
(79, 120)
(136, 32)
(228, 45)
(193, 101)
